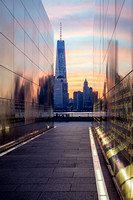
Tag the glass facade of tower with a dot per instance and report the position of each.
(113, 79)
(26, 69)
(60, 60)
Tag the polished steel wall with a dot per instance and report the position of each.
(26, 69)
(113, 70)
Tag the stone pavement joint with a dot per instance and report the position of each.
(57, 165)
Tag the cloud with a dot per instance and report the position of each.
(64, 11)
(68, 2)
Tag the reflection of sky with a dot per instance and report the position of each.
(77, 19)
(122, 33)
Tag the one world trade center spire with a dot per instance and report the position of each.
(60, 58)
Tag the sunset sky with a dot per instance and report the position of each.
(77, 22)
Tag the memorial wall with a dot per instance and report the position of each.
(113, 68)
(26, 69)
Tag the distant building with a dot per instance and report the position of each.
(70, 105)
(70, 101)
(91, 94)
(78, 101)
(75, 100)
(87, 97)
(61, 96)
(58, 94)
(91, 99)
(95, 96)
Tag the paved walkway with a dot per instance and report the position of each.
(57, 165)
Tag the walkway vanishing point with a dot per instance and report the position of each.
(57, 165)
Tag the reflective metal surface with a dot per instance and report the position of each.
(26, 69)
(113, 64)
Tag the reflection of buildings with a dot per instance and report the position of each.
(112, 76)
(26, 69)
(60, 83)
(114, 45)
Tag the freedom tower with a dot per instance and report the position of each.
(60, 82)
(60, 57)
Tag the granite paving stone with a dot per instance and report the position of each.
(68, 196)
(11, 187)
(57, 165)
(44, 187)
(62, 174)
(84, 187)
(19, 195)
(84, 174)
(73, 180)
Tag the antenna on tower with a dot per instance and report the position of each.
(60, 31)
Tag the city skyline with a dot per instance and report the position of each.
(77, 25)
(61, 95)
(83, 101)
(82, 85)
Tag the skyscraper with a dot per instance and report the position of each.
(60, 58)
(60, 82)
(87, 97)
(78, 101)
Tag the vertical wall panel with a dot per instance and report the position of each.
(26, 89)
(113, 66)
